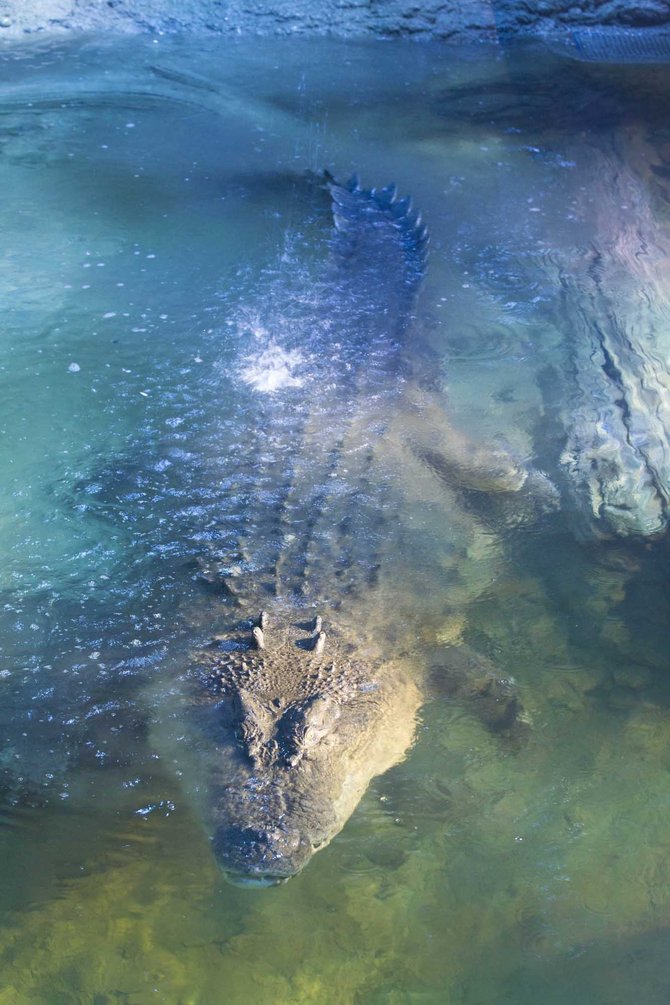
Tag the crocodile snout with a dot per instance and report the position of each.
(255, 856)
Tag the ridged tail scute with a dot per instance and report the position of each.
(377, 216)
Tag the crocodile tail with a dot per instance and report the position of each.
(376, 215)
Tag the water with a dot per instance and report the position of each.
(163, 252)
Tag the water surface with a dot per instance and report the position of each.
(162, 248)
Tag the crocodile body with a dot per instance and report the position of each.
(309, 697)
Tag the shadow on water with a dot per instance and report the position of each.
(165, 327)
(539, 98)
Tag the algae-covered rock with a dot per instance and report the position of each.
(613, 311)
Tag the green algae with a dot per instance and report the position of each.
(444, 886)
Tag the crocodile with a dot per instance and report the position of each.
(308, 698)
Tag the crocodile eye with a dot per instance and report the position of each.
(254, 724)
(303, 727)
(319, 718)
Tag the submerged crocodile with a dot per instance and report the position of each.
(298, 714)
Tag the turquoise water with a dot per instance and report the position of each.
(160, 239)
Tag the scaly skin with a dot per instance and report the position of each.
(301, 722)
(298, 717)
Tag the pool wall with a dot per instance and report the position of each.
(477, 19)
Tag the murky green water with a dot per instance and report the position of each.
(159, 237)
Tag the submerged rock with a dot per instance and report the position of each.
(614, 309)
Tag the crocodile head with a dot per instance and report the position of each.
(300, 726)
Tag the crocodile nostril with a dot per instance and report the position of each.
(257, 848)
